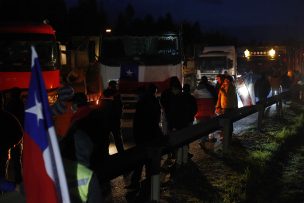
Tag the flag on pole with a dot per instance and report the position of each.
(43, 172)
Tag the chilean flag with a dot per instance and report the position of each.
(132, 76)
(43, 173)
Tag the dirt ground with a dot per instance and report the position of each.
(211, 176)
(215, 177)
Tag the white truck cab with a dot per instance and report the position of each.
(213, 60)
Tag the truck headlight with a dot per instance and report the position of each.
(243, 91)
(52, 98)
(272, 53)
(247, 53)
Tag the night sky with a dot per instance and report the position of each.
(265, 19)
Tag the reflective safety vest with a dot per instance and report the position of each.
(78, 178)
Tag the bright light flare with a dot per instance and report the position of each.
(272, 53)
(243, 91)
(52, 98)
(247, 53)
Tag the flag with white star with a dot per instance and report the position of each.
(43, 173)
(129, 72)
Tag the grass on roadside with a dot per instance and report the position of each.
(258, 159)
(266, 150)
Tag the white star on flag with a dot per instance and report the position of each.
(129, 73)
(36, 109)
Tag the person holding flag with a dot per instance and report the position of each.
(43, 172)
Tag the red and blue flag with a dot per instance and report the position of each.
(43, 172)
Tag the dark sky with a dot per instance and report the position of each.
(260, 18)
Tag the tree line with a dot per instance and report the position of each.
(90, 18)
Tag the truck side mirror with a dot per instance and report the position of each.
(63, 54)
(230, 63)
(91, 51)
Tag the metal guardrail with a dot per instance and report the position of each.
(120, 164)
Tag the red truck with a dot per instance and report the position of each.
(15, 56)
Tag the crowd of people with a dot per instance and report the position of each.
(85, 147)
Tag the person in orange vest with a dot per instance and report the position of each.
(227, 97)
(219, 81)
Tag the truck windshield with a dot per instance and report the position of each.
(260, 64)
(15, 56)
(151, 50)
(212, 63)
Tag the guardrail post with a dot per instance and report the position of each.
(182, 155)
(280, 106)
(301, 94)
(155, 158)
(261, 110)
(185, 153)
(179, 156)
(227, 126)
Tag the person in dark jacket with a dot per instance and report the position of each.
(85, 149)
(173, 104)
(12, 133)
(112, 102)
(204, 83)
(147, 117)
(190, 110)
(14, 104)
(92, 123)
(191, 106)
(146, 129)
(262, 87)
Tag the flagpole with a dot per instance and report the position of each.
(55, 151)
(59, 166)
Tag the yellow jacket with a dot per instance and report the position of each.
(227, 98)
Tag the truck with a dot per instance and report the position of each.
(213, 60)
(270, 58)
(82, 70)
(136, 61)
(262, 59)
(273, 60)
(132, 61)
(15, 56)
